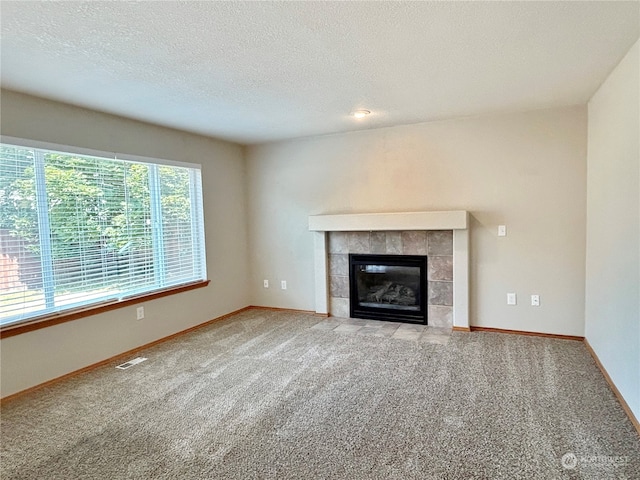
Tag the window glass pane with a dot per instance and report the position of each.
(131, 231)
(20, 272)
(176, 215)
(77, 229)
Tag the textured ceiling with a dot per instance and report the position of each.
(252, 72)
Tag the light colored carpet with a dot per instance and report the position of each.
(265, 395)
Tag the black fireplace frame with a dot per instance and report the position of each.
(378, 313)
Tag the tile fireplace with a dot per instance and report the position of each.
(442, 236)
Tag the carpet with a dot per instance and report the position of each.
(265, 395)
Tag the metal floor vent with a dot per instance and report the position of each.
(131, 363)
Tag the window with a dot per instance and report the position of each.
(78, 229)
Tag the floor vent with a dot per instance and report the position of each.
(131, 363)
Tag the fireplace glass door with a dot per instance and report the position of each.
(388, 287)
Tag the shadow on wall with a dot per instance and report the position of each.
(481, 225)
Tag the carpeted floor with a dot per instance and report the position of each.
(265, 395)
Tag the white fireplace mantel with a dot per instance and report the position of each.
(456, 220)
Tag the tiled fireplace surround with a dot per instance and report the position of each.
(442, 236)
(436, 244)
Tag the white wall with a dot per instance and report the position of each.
(613, 227)
(35, 357)
(525, 170)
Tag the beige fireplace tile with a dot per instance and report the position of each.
(378, 243)
(440, 293)
(440, 315)
(390, 326)
(338, 242)
(347, 328)
(339, 286)
(339, 307)
(376, 323)
(355, 321)
(414, 243)
(394, 243)
(440, 242)
(440, 268)
(438, 245)
(359, 242)
(338, 264)
(384, 329)
(409, 327)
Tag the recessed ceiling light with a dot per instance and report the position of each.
(361, 113)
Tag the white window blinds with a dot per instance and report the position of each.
(80, 229)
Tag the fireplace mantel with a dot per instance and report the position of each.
(453, 220)
(456, 220)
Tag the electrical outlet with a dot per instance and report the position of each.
(139, 313)
(511, 299)
(265, 283)
(283, 284)
(502, 230)
(535, 300)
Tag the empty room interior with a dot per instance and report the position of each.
(349, 240)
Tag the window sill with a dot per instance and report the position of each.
(49, 320)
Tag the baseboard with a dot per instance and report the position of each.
(128, 353)
(613, 387)
(461, 329)
(523, 332)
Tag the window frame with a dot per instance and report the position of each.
(61, 316)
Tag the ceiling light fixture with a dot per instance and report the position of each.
(361, 113)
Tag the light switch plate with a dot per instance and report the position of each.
(511, 299)
(502, 230)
